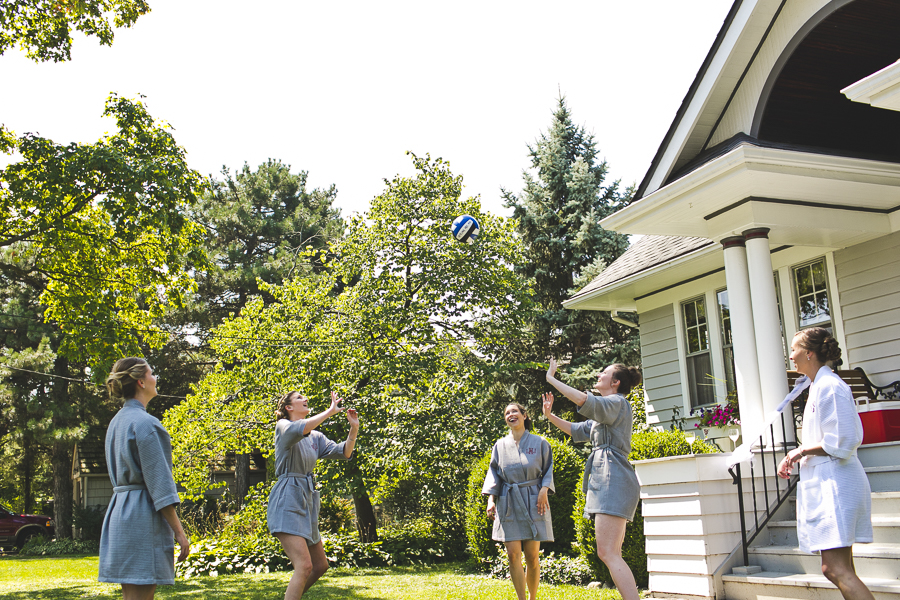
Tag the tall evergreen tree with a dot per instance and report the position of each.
(558, 212)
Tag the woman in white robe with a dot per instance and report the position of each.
(517, 483)
(834, 501)
(140, 526)
(293, 510)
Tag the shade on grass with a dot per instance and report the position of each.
(68, 578)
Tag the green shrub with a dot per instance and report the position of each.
(39, 546)
(644, 445)
(335, 514)
(245, 545)
(568, 467)
(89, 520)
(555, 570)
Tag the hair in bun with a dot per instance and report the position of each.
(820, 342)
(524, 413)
(122, 380)
(628, 377)
(285, 400)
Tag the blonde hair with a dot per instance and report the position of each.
(286, 400)
(123, 378)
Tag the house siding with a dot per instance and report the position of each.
(659, 360)
(868, 282)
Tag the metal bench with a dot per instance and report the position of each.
(860, 385)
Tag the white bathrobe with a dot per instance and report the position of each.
(834, 501)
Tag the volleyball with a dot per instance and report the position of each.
(465, 229)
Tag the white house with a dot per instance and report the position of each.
(773, 204)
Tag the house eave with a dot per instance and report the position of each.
(704, 202)
(623, 294)
(880, 89)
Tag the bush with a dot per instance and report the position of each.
(568, 467)
(644, 445)
(245, 545)
(335, 514)
(89, 520)
(39, 546)
(555, 570)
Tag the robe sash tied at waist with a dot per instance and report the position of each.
(590, 463)
(127, 488)
(516, 494)
(309, 478)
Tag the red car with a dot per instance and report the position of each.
(15, 529)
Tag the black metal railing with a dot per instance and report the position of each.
(782, 488)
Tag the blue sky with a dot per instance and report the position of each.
(343, 89)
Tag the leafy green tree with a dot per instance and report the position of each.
(43, 28)
(395, 323)
(558, 214)
(100, 232)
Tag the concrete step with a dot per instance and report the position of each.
(884, 478)
(886, 530)
(770, 585)
(871, 560)
(883, 503)
(879, 455)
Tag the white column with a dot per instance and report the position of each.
(769, 347)
(745, 364)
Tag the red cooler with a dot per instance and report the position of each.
(880, 421)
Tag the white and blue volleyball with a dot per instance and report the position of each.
(465, 228)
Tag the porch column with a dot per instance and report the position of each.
(746, 367)
(766, 323)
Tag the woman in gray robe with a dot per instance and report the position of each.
(517, 483)
(293, 510)
(136, 542)
(610, 485)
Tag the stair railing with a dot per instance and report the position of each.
(768, 444)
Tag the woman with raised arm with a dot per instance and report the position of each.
(137, 542)
(834, 501)
(517, 483)
(293, 511)
(610, 485)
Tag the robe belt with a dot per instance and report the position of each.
(128, 488)
(590, 464)
(309, 477)
(516, 492)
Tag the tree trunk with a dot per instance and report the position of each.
(366, 525)
(241, 478)
(61, 457)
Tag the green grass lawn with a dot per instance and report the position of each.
(67, 578)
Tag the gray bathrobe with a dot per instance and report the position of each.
(136, 544)
(609, 482)
(294, 501)
(515, 477)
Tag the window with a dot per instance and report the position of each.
(812, 295)
(727, 342)
(699, 365)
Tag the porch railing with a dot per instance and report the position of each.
(769, 446)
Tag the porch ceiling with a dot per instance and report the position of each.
(804, 198)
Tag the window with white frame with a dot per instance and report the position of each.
(811, 292)
(698, 360)
(727, 341)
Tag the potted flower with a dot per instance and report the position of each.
(717, 417)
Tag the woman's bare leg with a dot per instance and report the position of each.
(610, 532)
(516, 572)
(319, 564)
(131, 591)
(837, 566)
(531, 549)
(298, 551)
